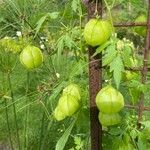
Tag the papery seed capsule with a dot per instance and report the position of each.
(31, 57)
(68, 104)
(73, 90)
(109, 100)
(109, 119)
(97, 31)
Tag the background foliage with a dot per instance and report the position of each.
(28, 98)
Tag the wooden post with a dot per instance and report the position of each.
(95, 83)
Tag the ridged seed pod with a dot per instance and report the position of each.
(58, 114)
(97, 31)
(72, 89)
(109, 100)
(109, 119)
(31, 57)
(68, 104)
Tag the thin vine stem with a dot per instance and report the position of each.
(96, 11)
(80, 24)
(26, 114)
(18, 100)
(14, 109)
(43, 122)
(45, 109)
(46, 133)
(42, 131)
(29, 104)
(110, 15)
(7, 118)
(8, 126)
(113, 3)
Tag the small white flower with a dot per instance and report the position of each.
(57, 75)
(124, 39)
(42, 38)
(106, 80)
(18, 33)
(42, 46)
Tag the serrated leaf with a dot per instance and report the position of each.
(135, 94)
(77, 140)
(117, 67)
(115, 131)
(56, 91)
(63, 41)
(60, 46)
(74, 5)
(40, 23)
(141, 145)
(77, 69)
(133, 134)
(110, 55)
(146, 124)
(53, 15)
(134, 90)
(102, 47)
(68, 41)
(64, 138)
(126, 54)
(143, 88)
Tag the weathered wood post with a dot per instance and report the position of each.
(95, 81)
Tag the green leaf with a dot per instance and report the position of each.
(64, 138)
(77, 69)
(117, 67)
(110, 55)
(141, 145)
(133, 134)
(68, 41)
(74, 5)
(40, 23)
(134, 90)
(60, 46)
(56, 91)
(135, 95)
(126, 55)
(146, 124)
(53, 15)
(116, 131)
(143, 88)
(102, 47)
(126, 144)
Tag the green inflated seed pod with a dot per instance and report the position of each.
(58, 114)
(31, 57)
(109, 119)
(68, 104)
(97, 32)
(73, 90)
(109, 100)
